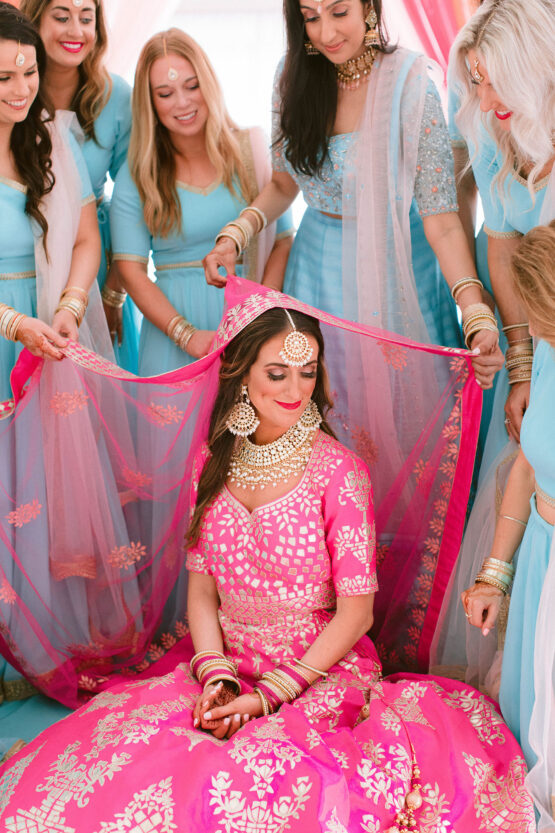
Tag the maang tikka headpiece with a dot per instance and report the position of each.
(77, 3)
(173, 74)
(20, 57)
(476, 74)
(296, 350)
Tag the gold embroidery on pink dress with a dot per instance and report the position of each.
(7, 593)
(79, 567)
(24, 514)
(165, 414)
(125, 557)
(495, 799)
(64, 403)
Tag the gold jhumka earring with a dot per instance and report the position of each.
(242, 419)
(372, 36)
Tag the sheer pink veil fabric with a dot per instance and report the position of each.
(61, 209)
(263, 172)
(72, 631)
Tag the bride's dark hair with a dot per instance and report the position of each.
(308, 92)
(237, 358)
(30, 141)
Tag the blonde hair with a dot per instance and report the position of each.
(151, 153)
(95, 84)
(533, 273)
(514, 39)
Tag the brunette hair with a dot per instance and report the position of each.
(237, 358)
(30, 141)
(95, 84)
(151, 152)
(308, 94)
(533, 273)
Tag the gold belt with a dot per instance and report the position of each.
(190, 264)
(15, 276)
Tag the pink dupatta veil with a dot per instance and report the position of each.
(70, 634)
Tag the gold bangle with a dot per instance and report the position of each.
(262, 219)
(464, 283)
(113, 298)
(76, 307)
(230, 236)
(516, 520)
(266, 708)
(480, 579)
(80, 291)
(510, 327)
(310, 668)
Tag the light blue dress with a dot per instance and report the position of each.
(537, 437)
(509, 211)
(17, 259)
(315, 264)
(105, 156)
(177, 259)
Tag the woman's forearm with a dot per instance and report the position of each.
(277, 196)
(274, 272)
(467, 195)
(515, 510)
(352, 620)
(446, 236)
(147, 295)
(500, 252)
(202, 610)
(85, 259)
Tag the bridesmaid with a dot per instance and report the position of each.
(75, 38)
(190, 171)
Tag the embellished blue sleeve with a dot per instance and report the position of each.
(434, 186)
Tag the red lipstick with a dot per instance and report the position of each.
(503, 116)
(290, 406)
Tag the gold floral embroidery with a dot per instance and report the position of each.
(482, 714)
(152, 809)
(262, 815)
(125, 557)
(405, 709)
(502, 804)
(333, 825)
(66, 403)
(70, 781)
(12, 776)
(24, 514)
(165, 414)
(365, 446)
(394, 354)
(7, 593)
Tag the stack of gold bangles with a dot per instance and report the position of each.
(113, 298)
(242, 230)
(180, 331)
(284, 684)
(210, 667)
(498, 573)
(477, 317)
(464, 283)
(77, 306)
(519, 357)
(10, 320)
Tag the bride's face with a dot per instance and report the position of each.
(336, 27)
(278, 392)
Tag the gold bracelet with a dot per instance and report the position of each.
(516, 520)
(76, 307)
(266, 709)
(231, 236)
(10, 321)
(462, 284)
(80, 291)
(310, 668)
(113, 297)
(261, 217)
(510, 327)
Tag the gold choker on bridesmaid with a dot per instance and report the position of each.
(356, 71)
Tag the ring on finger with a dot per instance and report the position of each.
(467, 615)
(507, 421)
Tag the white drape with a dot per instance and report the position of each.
(131, 23)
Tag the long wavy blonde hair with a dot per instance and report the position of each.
(533, 274)
(151, 152)
(95, 84)
(515, 39)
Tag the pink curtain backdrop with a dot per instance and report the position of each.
(436, 23)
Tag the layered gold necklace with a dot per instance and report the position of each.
(356, 71)
(257, 466)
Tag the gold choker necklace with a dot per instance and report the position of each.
(255, 466)
(352, 73)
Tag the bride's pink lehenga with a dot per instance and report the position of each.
(341, 757)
